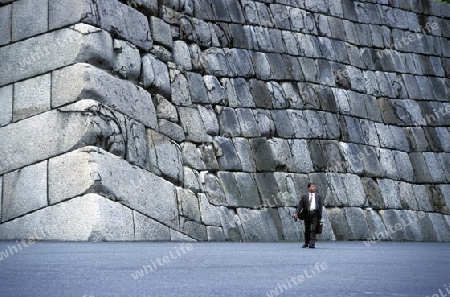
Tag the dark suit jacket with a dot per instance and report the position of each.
(303, 205)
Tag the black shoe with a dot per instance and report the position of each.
(304, 246)
(311, 246)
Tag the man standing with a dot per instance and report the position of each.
(310, 210)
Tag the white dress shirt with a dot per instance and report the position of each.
(313, 201)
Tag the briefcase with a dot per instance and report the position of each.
(319, 228)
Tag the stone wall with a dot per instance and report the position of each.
(205, 119)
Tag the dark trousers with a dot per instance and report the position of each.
(311, 221)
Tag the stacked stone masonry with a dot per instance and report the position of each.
(205, 119)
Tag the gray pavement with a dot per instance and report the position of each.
(224, 269)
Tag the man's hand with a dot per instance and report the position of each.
(295, 216)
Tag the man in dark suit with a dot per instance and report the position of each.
(310, 210)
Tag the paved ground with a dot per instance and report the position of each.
(224, 269)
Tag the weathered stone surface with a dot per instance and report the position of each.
(357, 223)
(291, 230)
(126, 22)
(372, 191)
(262, 154)
(6, 101)
(29, 18)
(393, 223)
(171, 130)
(188, 204)
(197, 88)
(85, 81)
(257, 225)
(146, 228)
(127, 60)
(178, 236)
(194, 230)
(155, 75)
(377, 230)
(193, 125)
(337, 196)
(301, 156)
(165, 156)
(209, 213)
(79, 124)
(79, 43)
(226, 154)
(425, 224)
(231, 224)
(25, 190)
(387, 162)
(389, 192)
(244, 153)
(407, 197)
(180, 88)
(422, 197)
(247, 189)
(215, 233)
(6, 24)
(339, 223)
(229, 184)
(181, 55)
(114, 178)
(434, 163)
(31, 97)
(440, 223)
(86, 218)
(229, 125)
(161, 31)
(421, 171)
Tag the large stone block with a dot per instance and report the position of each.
(434, 165)
(29, 18)
(114, 178)
(357, 223)
(125, 22)
(193, 125)
(6, 24)
(422, 197)
(85, 81)
(77, 125)
(377, 230)
(389, 192)
(146, 228)
(127, 60)
(262, 154)
(165, 156)
(339, 223)
(226, 153)
(258, 225)
(441, 226)
(337, 195)
(407, 197)
(426, 226)
(31, 97)
(421, 170)
(86, 218)
(231, 224)
(209, 213)
(25, 190)
(6, 102)
(215, 233)
(79, 43)
(188, 204)
(292, 231)
(161, 31)
(372, 191)
(244, 153)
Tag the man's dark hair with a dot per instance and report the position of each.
(309, 184)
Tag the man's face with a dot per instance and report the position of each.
(312, 188)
